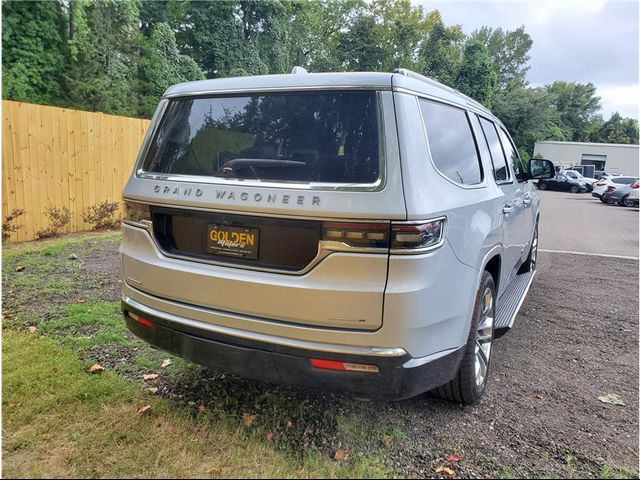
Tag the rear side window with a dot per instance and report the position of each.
(500, 170)
(453, 148)
(293, 137)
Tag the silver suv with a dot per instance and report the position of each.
(364, 232)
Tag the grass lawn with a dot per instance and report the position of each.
(59, 420)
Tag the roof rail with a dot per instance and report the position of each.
(428, 80)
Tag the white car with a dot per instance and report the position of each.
(615, 182)
(575, 175)
(633, 198)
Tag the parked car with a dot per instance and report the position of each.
(603, 185)
(575, 175)
(364, 232)
(625, 195)
(562, 183)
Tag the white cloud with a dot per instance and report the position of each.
(623, 99)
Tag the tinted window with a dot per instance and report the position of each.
(319, 137)
(624, 180)
(500, 170)
(453, 149)
(511, 152)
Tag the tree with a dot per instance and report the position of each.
(104, 48)
(34, 51)
(576, 103)
(160, 66)
(509, 52)
(359, 48)
(619, 130)
(440, 54)
(476, 77)
(530, 115)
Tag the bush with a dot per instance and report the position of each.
(101, 216)
(8, 227)
(58, 218)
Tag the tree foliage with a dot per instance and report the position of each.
(118, 56)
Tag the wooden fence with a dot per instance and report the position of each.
(63, 158)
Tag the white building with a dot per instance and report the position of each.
(610, 157)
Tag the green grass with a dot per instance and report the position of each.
(608, 472)
(59, 420)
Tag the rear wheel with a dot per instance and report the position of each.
(542, 185)
(575, 189)
(470, 382)
(627, 202)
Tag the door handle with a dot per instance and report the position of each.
(508, 208)
(527, 199)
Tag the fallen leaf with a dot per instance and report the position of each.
(96, 368)
(150, 376)
(340, 454)
(33, 329)
(248, 419)
(143, 409)
(452, 457)
(289, 424)
(446, 470)
(611, 398)
(538, 397)
(166, 363)
(55, 369)
(270, 436)
(20, 268)
(151, 390)
(80, 300)
(73, 256)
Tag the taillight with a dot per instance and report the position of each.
(142, 321)
(357, 235)
(417, 237)
(136, 213)
(636, 185)
(600, 184)
(610, 190)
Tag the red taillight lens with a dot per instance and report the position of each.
(343, 366)
(142, 321)
(610, 190)
(600, 184)
(420, 236)
(359, 235)
(636, 185)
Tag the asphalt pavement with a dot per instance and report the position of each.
(578, 222)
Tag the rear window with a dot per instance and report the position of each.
(293, 137)
(624, 180)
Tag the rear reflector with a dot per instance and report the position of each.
(343, 366)
(142, 321)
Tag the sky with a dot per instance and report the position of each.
(581, 41)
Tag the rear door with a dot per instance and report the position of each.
(512, 205)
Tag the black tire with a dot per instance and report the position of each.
(602, 199)
(625, 202)
(574, 189)
(542, 186)
(464, 388)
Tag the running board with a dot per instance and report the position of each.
(510, 301)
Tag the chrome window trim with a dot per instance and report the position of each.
(376, 186)
(261, 337)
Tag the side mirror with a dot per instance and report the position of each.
(541, 168)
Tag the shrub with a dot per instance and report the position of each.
(8, 227)
(101, 216)
(58, 218)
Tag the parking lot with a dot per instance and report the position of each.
(574, 340)
(581, 223)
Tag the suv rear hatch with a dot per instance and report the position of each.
(273, 182)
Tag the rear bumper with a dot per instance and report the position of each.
(597, 195)
(400, 376)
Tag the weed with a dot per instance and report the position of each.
(8, 227)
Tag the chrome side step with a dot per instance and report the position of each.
(510, 301)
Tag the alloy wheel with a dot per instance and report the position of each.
(484, 338)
